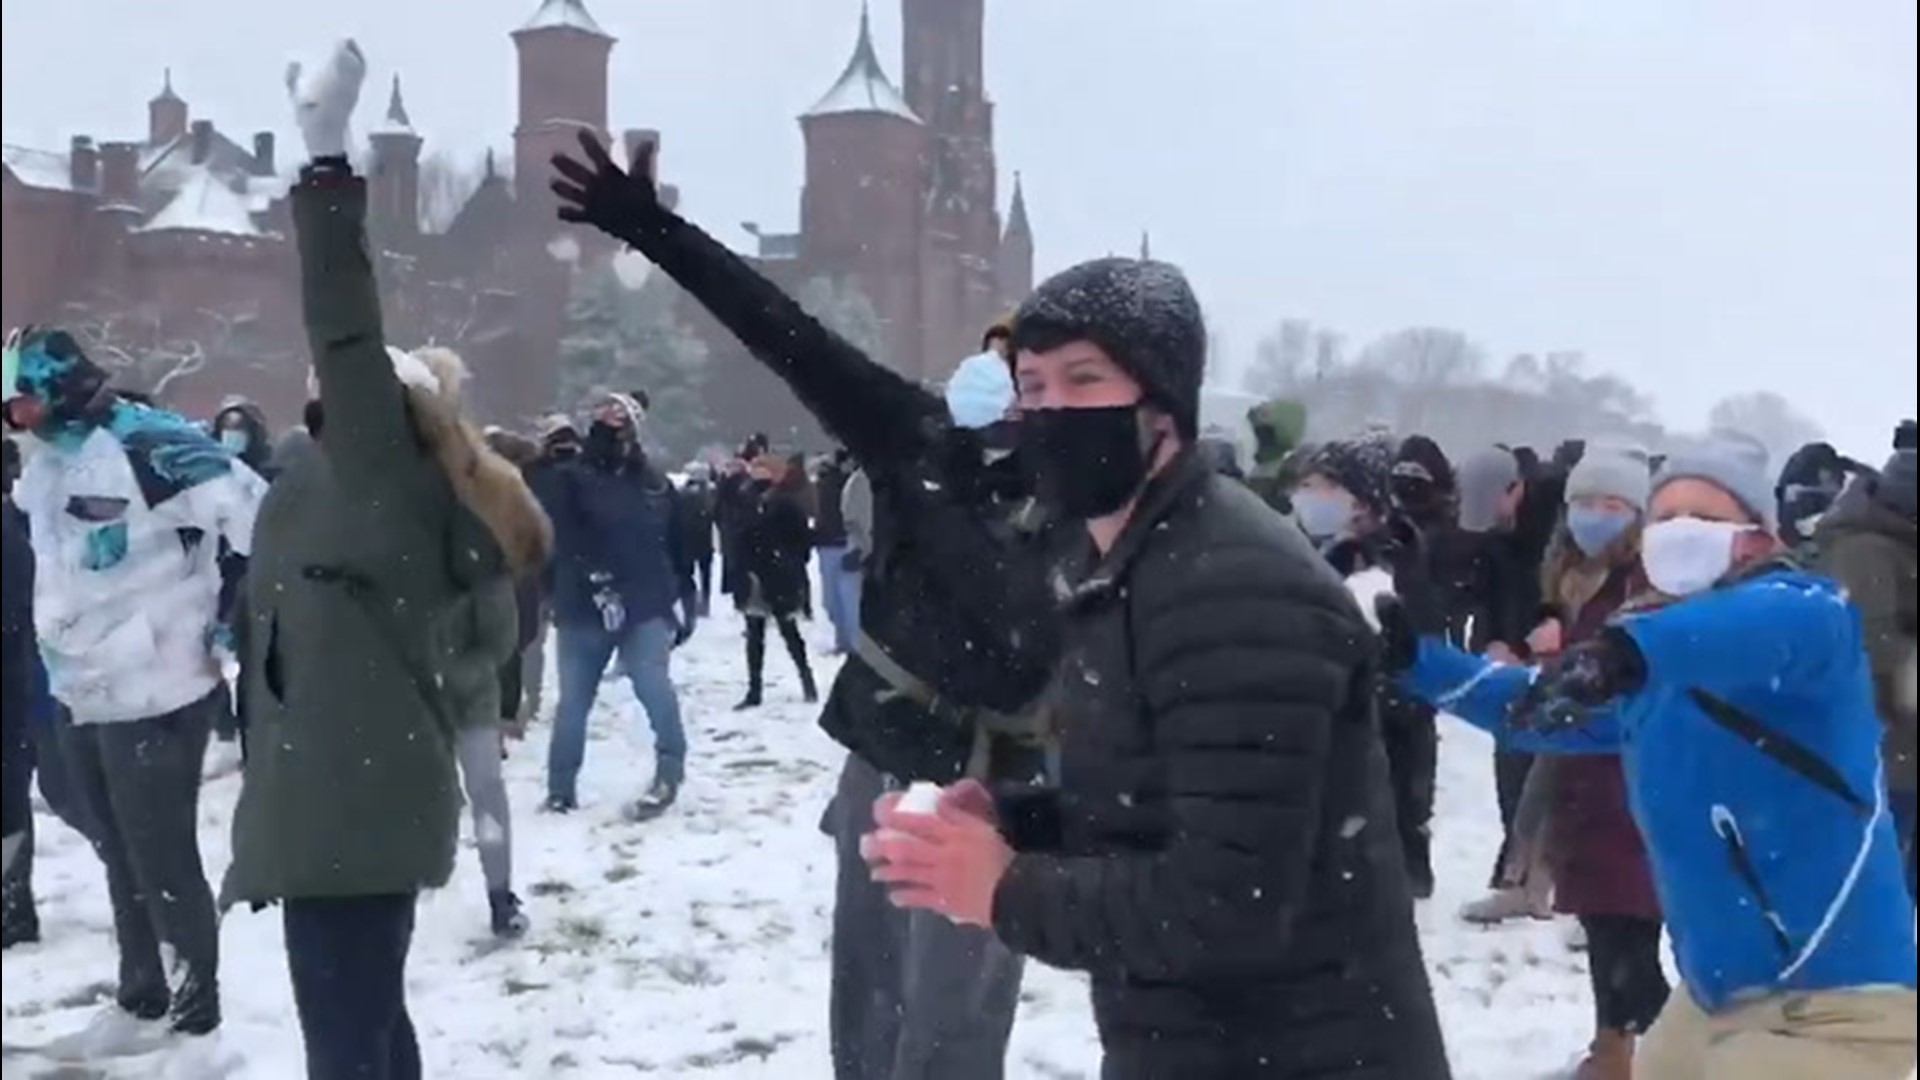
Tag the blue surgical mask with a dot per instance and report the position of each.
(1594, 529)
(235, 440)
(1324, 514)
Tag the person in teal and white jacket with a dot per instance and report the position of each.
(1744, 713)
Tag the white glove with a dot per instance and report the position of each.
(325, 97)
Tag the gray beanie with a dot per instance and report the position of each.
(1612, 471)
(1733, 463)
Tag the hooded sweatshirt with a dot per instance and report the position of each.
(127, 504)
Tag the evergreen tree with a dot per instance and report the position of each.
(631, 339)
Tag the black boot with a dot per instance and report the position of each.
(756, 662)
(19, 914)
(509, 922)
(797, 650)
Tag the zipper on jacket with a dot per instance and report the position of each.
(1728, 829)
(1795, 756)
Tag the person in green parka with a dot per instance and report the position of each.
(1278, 428)
(363, 554)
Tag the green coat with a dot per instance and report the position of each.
(1278, 426)
(1869, 549)
(360, 553)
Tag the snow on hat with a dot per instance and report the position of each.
(1734, 463)
(980, 391)
(1142, 313)
(1485, 477)
(1362, 466)
(1612, 471)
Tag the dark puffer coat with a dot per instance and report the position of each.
(775, 542)
(1221, 855)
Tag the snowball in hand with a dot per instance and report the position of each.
(324, 97)
(922, 798)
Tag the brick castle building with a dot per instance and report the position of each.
(169, 252)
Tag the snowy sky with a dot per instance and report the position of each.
(1706, 196)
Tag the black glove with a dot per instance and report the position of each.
(1573, 685)
(853, 562)
(623, 203)
(1399, 638)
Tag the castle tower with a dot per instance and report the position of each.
(945, 45)
(393, 191)
(563, 88)
(860, 212)
(1014, 268)
(166, 114)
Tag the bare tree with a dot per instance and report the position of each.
(1283, 360)
(1426, 356)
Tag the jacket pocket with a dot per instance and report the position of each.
(1740, 858)
(273, 671)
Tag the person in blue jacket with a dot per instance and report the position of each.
(1744, 713)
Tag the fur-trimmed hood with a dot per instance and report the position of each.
(486, 483)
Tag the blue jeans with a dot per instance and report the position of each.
(840, 590)
(582, 652)
(1903, 815)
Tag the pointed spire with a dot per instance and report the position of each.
(492, 169)
(1017, 223)
(864, 87)
(397, 119)
(1146, 245)
(166, 87)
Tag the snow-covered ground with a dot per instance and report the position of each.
(696, 946)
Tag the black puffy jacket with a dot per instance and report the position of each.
(1221, 854)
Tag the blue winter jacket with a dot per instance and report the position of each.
(620, 524)
(1753, 767)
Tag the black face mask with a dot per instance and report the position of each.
(1086, 463)
(607, 443)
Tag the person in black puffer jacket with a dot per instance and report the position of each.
(1219, 852)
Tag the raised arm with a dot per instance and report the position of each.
(367, 427)
(1483, 692)
(866, 406)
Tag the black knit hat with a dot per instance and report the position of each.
(1421, 459)
(1363, 466)
(1140, 312)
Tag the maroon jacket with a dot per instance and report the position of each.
(1594, 848)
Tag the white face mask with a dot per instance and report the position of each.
(1323, 514)
(1688, 555)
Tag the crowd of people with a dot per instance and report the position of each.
(1176, 751)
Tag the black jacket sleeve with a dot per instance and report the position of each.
(878, 415)
(1244, 663)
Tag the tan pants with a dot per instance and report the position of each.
(1846, 1035)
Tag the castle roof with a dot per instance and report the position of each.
(204, 203)
(166, 93)
(397, 122)
(565, 15)
(41, 169)
(864, 87)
